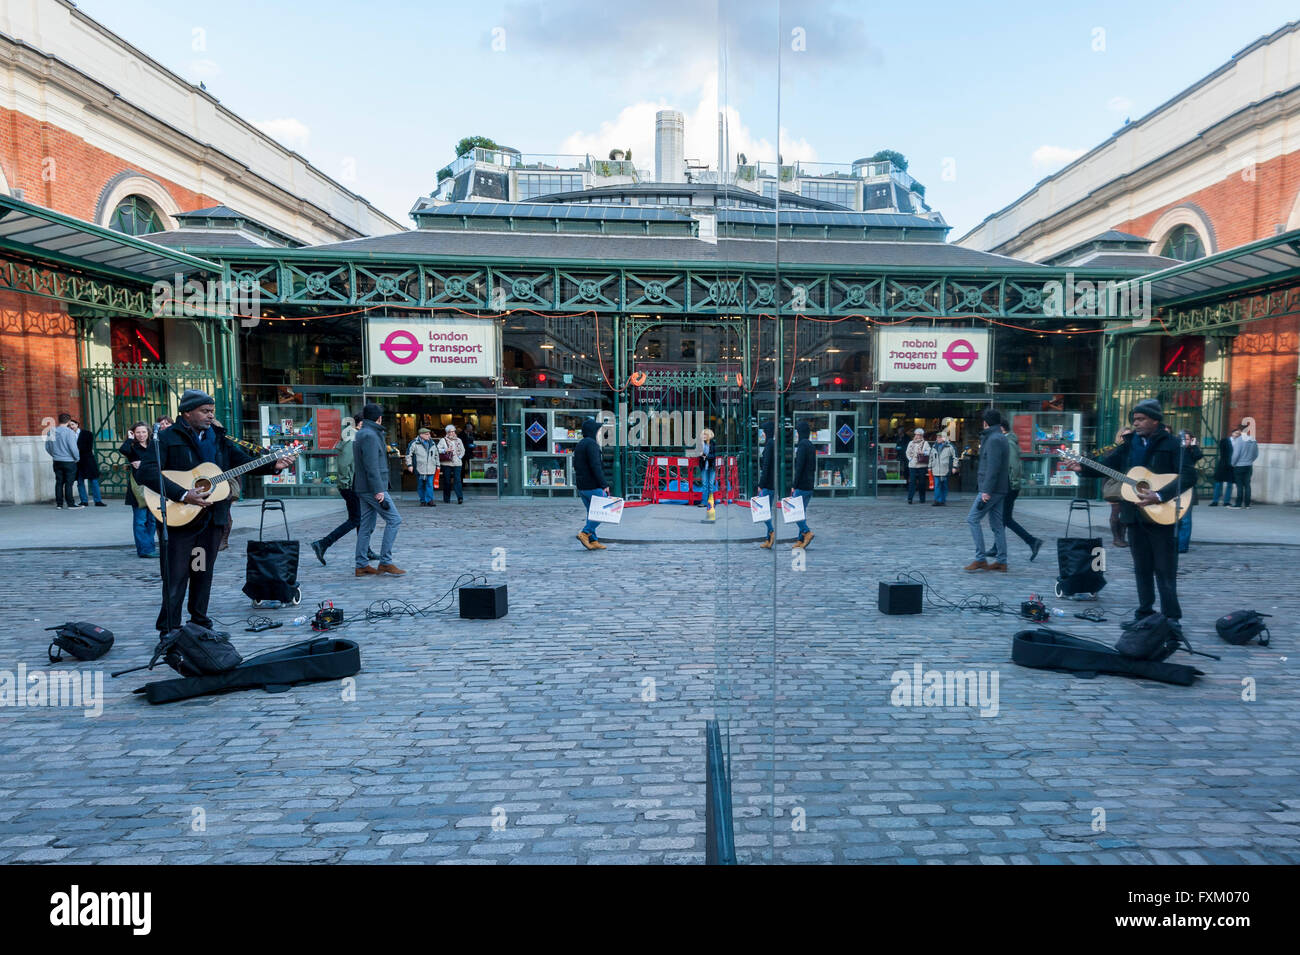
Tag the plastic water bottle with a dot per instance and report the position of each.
(299, 621)
(1056, 612)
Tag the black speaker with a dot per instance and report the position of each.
(483, 602)
(896, 597)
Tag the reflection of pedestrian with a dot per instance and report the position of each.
(451, 452)
(1223, 469)
(917, 454)
(805, 474)
(765, 481)
(1013, 492)
(87, 468)
(589, 478)
(993, 484)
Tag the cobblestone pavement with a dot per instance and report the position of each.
(575, 724)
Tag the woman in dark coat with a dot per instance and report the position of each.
(87, 467)
(1223, 475)
(134, 449)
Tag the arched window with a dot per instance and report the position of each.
(1183, 244)
(135, 216)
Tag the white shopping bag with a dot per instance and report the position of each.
(792, 509)
(607, 510)
(760, 509)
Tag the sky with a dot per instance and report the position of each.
(984, 99)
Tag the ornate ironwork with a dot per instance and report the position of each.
(73, 289)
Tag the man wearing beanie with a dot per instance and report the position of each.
(370, 482)
(1154, 546)
(191, 554)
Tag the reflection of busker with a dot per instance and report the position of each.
(589, 478)
(805, 473)
(766, 484)
(1153, 546)
(191, 554)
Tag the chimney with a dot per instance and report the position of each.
(670, 146)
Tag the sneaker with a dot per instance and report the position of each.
(1214, 504)
(59, 506)
(998, 565)
(366, 571)
(100, 504)
(318, 549)
(978, 565)
(392, 570)
(78, 505)
(1034, 548)
(585, 539)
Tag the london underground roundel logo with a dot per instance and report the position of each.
(401, 347)
(960, 355)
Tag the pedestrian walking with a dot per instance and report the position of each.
(1153, 546)
(1191, 450)
(766, 483)
(1223, 476)
(917, 455)
(422, 461)
(943, 464)
(589, 478)
(87, 466)
(992, 485)
(61, 445)
(708, 454)
(344, 467)
(805, 476)
(451, 452)
(1013, 491)
(1244, 454)
(370, 482)
(134, 449)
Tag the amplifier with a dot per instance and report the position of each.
(483, 602)
(896, 597)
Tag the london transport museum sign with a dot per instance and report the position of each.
(431, 348)
(932, 356)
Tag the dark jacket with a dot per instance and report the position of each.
(133, 452)
(1162, 458)
(994, 469)
(369, 460)
(805, 460)
(180, 452)
(767, 456)
(1223, 466)
(87, 466)
(588, 460)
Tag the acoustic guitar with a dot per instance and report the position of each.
(208, 479)
(1138, 481)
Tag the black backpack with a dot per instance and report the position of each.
(1154, 637)
(85, 641)
(1242, 626)
(193, 650)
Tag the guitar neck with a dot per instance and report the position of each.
(245, 468)
(1109, 472)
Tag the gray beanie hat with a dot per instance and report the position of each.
(1150, 408)
(193, 398)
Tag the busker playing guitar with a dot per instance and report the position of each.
(1154, 546)
(191, 553)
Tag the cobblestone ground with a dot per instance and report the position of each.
(576, 722)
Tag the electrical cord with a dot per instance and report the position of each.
(386, 609)
(978, 602)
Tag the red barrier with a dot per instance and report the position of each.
(661, 474)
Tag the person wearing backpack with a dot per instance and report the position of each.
(422, 461)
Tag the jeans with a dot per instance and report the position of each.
(940, 489)
(917, 480)
(1241, 477)
(1008, 518)
(771, 503)
(142, 527)
(65, 475)
(1185, 531)
(589, 528)
(451, 475)
(425, 489)
(993, 511)
(709, 481)
(371, 511)
(94, 490)
(1226, 488)
(807, 499)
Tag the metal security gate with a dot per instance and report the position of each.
(1193, 404)
(114, 397)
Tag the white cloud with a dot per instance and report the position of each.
(1054, 157)
(1120, 104)
(289, 132)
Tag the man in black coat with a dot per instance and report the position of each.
(1154, 546)
(370, 482)
(766, 480)
(993, 484)
(191, 553)
(589, 478)
(87, 467)
(805, 478)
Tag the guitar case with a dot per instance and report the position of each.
(324, 658)
(1045, 649)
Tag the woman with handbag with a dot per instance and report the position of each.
(134, 449)
(451, 451)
